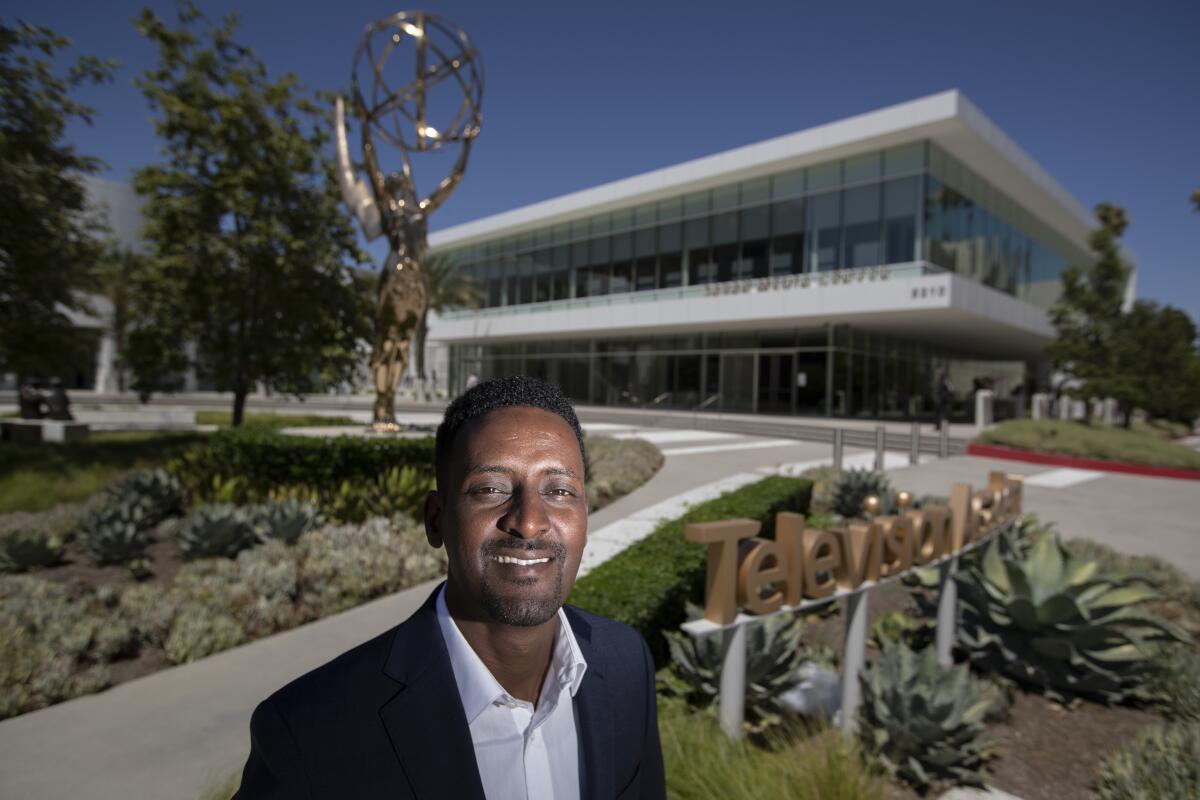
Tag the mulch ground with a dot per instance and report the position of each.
(1043, 751)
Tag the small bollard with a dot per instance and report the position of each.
(853, 657)
(914, 446)
(880, 434)
(944, 440)
(839, 445)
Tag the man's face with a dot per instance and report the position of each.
(512, 514)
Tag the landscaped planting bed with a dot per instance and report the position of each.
(244, 534)
(1143, 444)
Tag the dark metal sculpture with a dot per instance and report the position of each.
(437, 107)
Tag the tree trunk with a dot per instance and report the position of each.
(1127, 418)
(239, 405)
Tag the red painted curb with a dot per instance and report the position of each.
(1056, 459)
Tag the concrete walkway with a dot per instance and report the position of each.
(178, 732)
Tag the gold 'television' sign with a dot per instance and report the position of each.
(803, 563)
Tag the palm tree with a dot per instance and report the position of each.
(447, 289)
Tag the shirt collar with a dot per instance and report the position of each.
(478, 688)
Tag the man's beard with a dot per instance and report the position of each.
(524, 612)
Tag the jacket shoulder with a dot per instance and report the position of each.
(333, 685)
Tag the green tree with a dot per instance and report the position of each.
(1088, 318)
(48, 240)
(447, 289)
(251, 278)
(1157, 353)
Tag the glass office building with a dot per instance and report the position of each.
(830, 279)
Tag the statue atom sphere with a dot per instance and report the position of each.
(435, 105)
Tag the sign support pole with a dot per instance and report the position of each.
(732, 700)
(839, 444)
(853, 656)
(914, 446)
(946, 612)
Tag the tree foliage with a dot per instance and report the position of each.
(47, 239)
(1144, 356)
(251, 280)
(1088, 316)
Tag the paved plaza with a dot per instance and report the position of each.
(173, 734)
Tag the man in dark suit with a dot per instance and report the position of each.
(493, 689)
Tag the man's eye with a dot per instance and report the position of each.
(487, 490)
(562, 491)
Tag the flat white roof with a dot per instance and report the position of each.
(948, 118)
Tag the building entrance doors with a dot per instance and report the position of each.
(776, 383)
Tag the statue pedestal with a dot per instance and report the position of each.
(43, 430)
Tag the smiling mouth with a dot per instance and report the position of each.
(522, 562)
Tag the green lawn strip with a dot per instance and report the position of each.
(272, 421)
(34, 477)
(1095, 440)
(646, 584)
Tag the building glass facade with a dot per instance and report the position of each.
(904, 204)
(913, 204)
(832, 370)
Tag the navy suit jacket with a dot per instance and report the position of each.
(385, 720)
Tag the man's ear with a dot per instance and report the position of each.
(433, 519)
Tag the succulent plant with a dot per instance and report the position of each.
(856, 485)
(160, 494)
(773, 658)
(26, 548)
(1163, 761)
(199, 631)
(285, 519)
(1042, 617)
(217, 530)
(116, 531)
(916, 632)
(922, 721)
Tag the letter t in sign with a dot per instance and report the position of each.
(720, 590)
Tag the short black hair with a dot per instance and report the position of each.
(490, 395)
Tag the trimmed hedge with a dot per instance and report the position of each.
(646, 585)
(266, 460)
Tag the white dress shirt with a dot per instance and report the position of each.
(523, 753)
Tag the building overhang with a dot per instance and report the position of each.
(912, 301)
(948, 118)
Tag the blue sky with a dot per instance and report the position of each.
(1105, 95)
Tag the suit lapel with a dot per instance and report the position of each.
(595, 717)
(425, 720)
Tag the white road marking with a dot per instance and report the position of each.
(855, 461)
(605, 543)
(720, 448)
(1062, 478)
(667, 437)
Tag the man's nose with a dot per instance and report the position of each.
(527, 515)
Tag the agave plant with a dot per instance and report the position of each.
(116, 531)
(25, 548)
(773, 657)
(856, 485)
(1040, 616)
(285, 519)
(159, 493)
(923, 721)
(217, 530)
